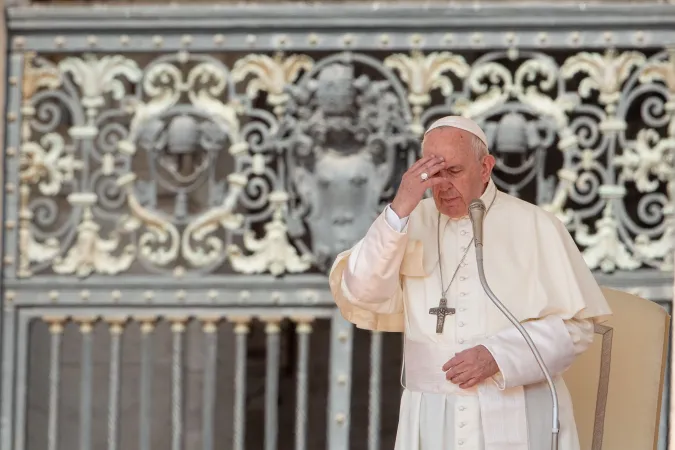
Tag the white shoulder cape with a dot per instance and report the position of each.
(532, 264)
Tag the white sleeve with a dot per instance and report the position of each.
(558, 341)
(394, 221)
(371, 279)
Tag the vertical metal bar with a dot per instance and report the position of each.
(3, 213)
(145, 409)
(3, 87)
(374, 390)
(10, 211)
(116, 329)
(8, 374)
(671, 384)
(86, 329)
(21, 380)
(340, 382)
(13, 138)
(177, 327)
(239, 433)
(303, 329)
(56, 331)
(666, 407)
(272, 385)
(210, 337)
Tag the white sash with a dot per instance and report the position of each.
(423, 366)
(503, 412)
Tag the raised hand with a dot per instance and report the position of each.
(417, 179)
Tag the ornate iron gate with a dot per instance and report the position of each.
(178, 179)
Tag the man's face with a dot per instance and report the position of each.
(467, 176)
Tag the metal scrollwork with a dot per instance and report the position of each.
(278, 162)
(341, 132)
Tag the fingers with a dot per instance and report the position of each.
(459, 358)
(417, 164)
(424, 163)
(431, 169)
(455, 367)
(470, 383)
(460, 374)
(455, 361)
(462, 369)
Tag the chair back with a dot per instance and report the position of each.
(617, 384)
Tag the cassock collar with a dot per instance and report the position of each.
(429, 241)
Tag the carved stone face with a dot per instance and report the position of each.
(343, 193)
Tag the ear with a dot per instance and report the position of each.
(487, 165)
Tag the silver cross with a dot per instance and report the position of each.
(440, 312)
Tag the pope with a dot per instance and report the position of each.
(470, 380)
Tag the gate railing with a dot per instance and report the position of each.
(134, 374)
(175, 176)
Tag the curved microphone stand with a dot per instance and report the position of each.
(477, 214)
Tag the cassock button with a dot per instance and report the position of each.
(462, 309)
(461, 408)
(460, 442)
(463, 233)
(462, 424)
(461, 341)
(462, 278)
(461, 324)
(463, 294)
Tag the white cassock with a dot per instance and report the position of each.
(390, 279)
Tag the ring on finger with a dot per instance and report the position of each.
(424, 176)
(430, 168)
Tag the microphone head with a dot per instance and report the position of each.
(475, 205)
(476, 214)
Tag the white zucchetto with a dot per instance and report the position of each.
(462, 123)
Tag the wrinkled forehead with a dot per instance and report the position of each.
(447, 142)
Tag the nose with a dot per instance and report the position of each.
(446, 186)
(447, 191)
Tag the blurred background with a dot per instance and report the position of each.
(179, 177)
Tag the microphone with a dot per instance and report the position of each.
(477, 215)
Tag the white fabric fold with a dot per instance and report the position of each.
(376, 287)
(551, 335)
(504, 417)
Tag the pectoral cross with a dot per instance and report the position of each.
(440, 314)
